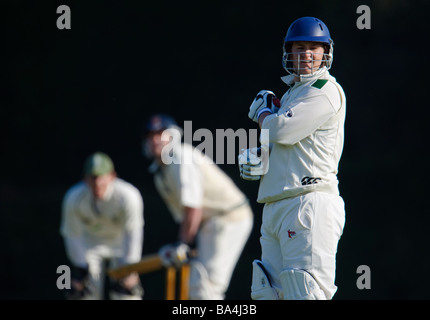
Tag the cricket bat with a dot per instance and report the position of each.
(148, 263)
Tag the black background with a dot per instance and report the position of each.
(68, 93)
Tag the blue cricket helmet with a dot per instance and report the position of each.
(158, 122)
(307, 29)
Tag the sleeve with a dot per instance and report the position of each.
(71, 224)
(300, 120)
(75, 250)
(71, 230)
(191, 185)
(134, 224)
(133, 243)
(133, 210)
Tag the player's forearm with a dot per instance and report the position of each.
(298, 123)
(190, 224)
(262, 117)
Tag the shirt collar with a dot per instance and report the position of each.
(289, 79)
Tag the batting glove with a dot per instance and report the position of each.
(174, 255)
(265, 101)
(127, 286)
(80, 284)
(251, 166)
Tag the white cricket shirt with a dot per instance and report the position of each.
(199, 183)
(107, 221)
(306, 137)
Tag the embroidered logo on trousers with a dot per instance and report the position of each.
(291, 233)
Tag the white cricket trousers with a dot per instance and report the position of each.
(220, 243)
(303, 233)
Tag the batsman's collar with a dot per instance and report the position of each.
(289, 79)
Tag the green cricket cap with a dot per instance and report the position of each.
(98, 164)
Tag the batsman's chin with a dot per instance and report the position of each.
(306, 68)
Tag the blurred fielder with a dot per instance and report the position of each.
(213, 214)
(102, 220)
(303, 215)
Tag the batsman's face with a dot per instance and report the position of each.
(99, 184)
(307, 56)
(155, 143)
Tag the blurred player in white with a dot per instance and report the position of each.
(212, 213)
(303, 215)
(102, 222)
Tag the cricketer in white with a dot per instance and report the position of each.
(212, 212)
(102, 219)
(303, 214)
